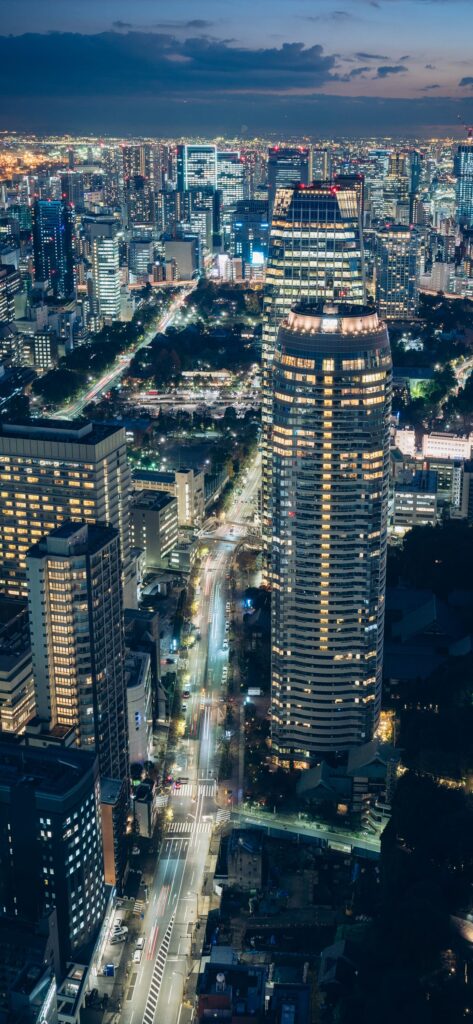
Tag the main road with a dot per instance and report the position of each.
(74, 409)
(156, 985)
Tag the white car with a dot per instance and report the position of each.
(137, 956)
(140, 942)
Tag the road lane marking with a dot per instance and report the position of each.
(157, 975)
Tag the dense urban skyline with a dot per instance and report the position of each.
(236, 512)
(397, 65)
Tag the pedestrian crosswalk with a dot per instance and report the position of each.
(223, 815)
(193, 788)
(187, 789)
(157, 976)
(188, 827)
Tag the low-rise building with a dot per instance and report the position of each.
(466, 499)
(415, 502)
(29, 966)
(405, 440)
(140, 706)
(154, 526)
(114, 808)
(446, 446)
(245, 859)
(187, 485)
(145, 808)
(229, 991)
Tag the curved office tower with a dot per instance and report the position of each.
(316, 254)
(330, 442)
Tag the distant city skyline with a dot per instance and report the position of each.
(328, 67)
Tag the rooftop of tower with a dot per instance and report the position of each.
(80, 431)
(332, 318)
(332, 329)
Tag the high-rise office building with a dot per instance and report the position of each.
(255, 170)
(51, 842)
(463, 166)
(316, 253)
(330, 450)
(9, 285)
(321, 164)
(250, 231)
(72, 189)
(397, 185)
(106, 275)
(52, 470)
(230, 178)
(354, 181)
(196, 167)
(53, 231)
(288, 167)
(415, 168)
(397, 253)
(77, 639)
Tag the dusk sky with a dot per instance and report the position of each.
(311, 67)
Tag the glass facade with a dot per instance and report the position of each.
(315, 253)
(464, 187)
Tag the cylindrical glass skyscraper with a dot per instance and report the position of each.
(331, 407)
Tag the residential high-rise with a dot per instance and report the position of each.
(315, 253)
(112, 167)
(53, 231)
(397, 254)
(463, 166)
(52, 470)
(106, 276)
(139, 200)
(137, 159)
(77, 639)
(51, 842)
(196, 167)
(288, 167)
(330, 450)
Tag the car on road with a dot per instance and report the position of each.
(140, 942)
(184, 708)
(186, 694)
(137, 956)
(118, 937)
(225, 644)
